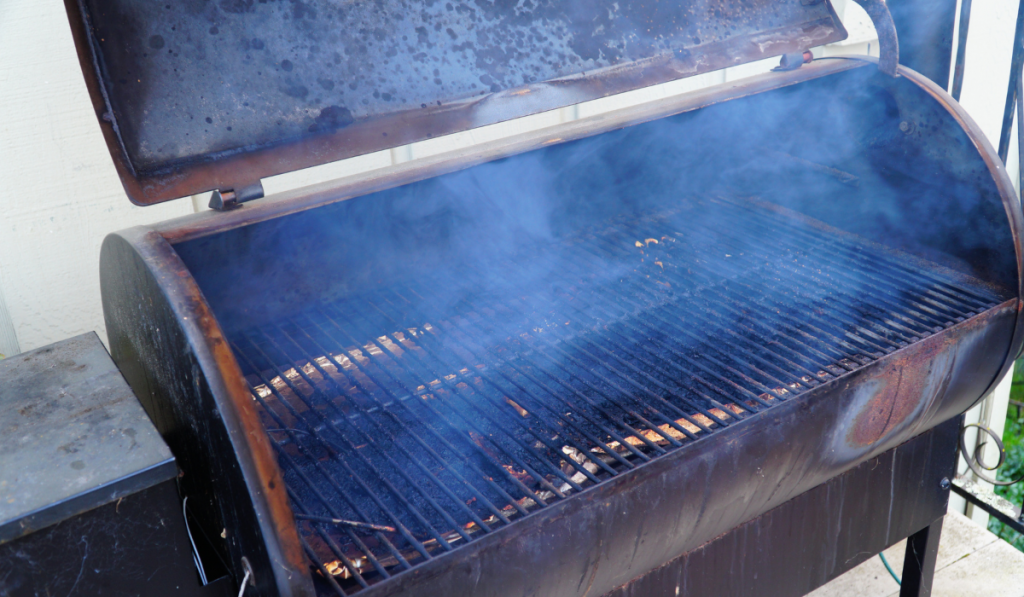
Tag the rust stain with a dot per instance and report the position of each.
(907, 382)
(888, 408)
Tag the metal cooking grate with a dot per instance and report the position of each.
(412, 420)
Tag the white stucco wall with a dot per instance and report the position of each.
(59, 194)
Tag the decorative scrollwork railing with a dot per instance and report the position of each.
(976, 460)
(982, 497)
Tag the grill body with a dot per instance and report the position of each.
(727, 300)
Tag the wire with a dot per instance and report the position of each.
(887, 567)
(245, 582)
(195, 552)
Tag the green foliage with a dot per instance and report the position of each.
(1013, 468)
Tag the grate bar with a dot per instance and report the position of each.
(925, 312)
(643, 309)
(931, 320)
(350, 566)
(708, 414)
(857, 332)
(351, 450)
(370, 440)
(411, 433)
(392, 440)
(323, 569)
(467, 365)
(754, 295)
(457, 391)
(411, 392)
(961, 293)
(579, 395)
(339, 452)
(329, 448)
(293, 467)
(476, 444)
(567, 423)
(538, 403)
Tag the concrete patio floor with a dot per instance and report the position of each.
(972, 562)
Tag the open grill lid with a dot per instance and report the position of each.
(202, 95)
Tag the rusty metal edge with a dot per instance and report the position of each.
(252, 450)
(1011, 203)
(207, 223)
(100, 106)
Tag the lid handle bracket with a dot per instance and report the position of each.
(888, 45)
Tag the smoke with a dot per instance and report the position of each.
(605, 299)
(852, 151)
(867, 156)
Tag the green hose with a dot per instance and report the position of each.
(889, 568)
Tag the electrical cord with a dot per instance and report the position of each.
(195, 552)
(889, 568)
(245, 582)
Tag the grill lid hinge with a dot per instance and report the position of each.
(794, 61)
(225, 199)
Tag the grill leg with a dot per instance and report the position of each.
(919, 564)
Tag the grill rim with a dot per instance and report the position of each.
(263, 525)
(178, 287)
(1010, 199)
(139, 266)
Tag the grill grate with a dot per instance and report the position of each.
(412, 420)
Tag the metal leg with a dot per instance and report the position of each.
(919, 565)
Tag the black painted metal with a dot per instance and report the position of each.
(820, 534)
(925, 30)
(919, 562)
(1016, 64)
(961, 48)
(135, 545)
(178, 394)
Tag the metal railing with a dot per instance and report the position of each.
(1006, 476)
(996, 505)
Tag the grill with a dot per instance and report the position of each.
(407, 426)
(714, 344)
